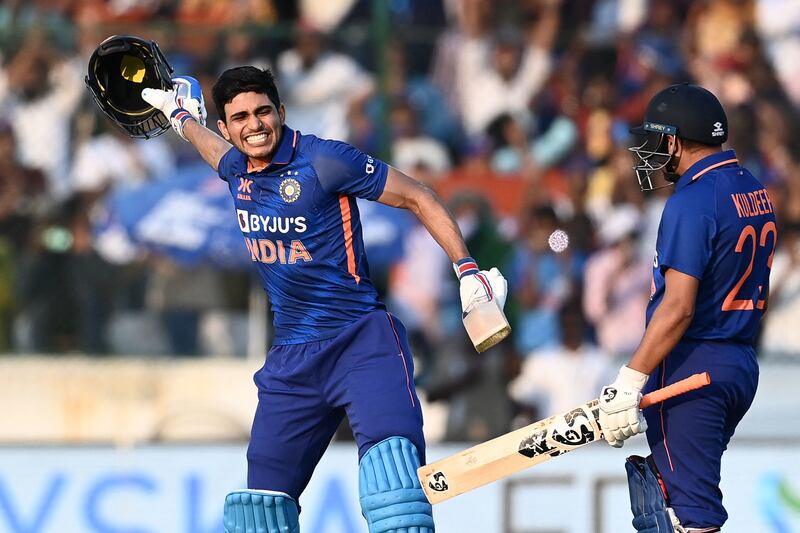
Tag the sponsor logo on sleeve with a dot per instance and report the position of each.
(245, 189)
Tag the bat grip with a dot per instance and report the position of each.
(691, 383)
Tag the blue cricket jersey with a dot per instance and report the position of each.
(719, 227)
(301, 226)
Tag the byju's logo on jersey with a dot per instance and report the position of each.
(269, 224)
(244, 220)
(718, 131)
(290, 190)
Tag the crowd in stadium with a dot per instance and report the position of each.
(515, 112)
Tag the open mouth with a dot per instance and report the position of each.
(258, 139)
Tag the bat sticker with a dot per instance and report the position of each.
(578, 430)
(439, 482)
(536, 445)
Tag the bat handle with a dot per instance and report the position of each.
(691, 383)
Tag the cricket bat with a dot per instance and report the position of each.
(529, 446)
(486, 325)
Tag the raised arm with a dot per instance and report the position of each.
(208, 144)
(185, 108)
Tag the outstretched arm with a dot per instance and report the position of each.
(185, 108)
(207, 143)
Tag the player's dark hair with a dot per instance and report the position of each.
(237, 80)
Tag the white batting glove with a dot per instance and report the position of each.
(184, 102)
(478, 286)
(499, 285)
(620, 416)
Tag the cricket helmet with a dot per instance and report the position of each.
(685, 111)
(119, 69)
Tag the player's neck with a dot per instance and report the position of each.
(689, 158)
(258, 164)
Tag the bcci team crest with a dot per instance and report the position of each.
(290, 190)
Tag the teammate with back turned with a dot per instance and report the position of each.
(336, 350)
(710, 283)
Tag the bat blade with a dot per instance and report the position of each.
(528, 446)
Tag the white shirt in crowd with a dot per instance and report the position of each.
(485, 95)
(557, 380)
(42, 126)
(781, 334)
(110, 160)
(317, 100)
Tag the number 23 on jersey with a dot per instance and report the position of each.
(751, 239)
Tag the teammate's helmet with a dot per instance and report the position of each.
(684, 110)
(119, 69)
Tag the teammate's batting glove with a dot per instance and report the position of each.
(620, 416)
(184, 102)
(478, 286)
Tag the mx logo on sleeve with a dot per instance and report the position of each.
(245, 189)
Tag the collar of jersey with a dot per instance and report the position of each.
(707, 164)
(283, 155)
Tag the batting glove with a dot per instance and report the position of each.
(620, 416)
(184, 102)
(478, 286)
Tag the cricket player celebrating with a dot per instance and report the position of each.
(336, 350)
(711, 269)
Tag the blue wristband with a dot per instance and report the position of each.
(466, 267)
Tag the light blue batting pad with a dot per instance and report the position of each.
(392, 500)
(649, 508)
(260, 511)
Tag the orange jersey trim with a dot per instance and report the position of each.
(715, 165)
(347, 226)
(252, 168)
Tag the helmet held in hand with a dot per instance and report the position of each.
(120, 67)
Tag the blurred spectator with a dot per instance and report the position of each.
(615, 284)
(319, 86)
(112, 158)
(39, 93)
(555, 137)
(22, 192)
(542, 281)
(555, 379)
(500, 73)
(776, 23)
(238, 46)
(172, 293)
(19, 19)
(781, 334)
(64, 288)
(433, 116)
(412, 149)
(21, 199)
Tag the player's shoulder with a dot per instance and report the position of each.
(232, 163)
(321, 152)
(311, 143)
(695, 197)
